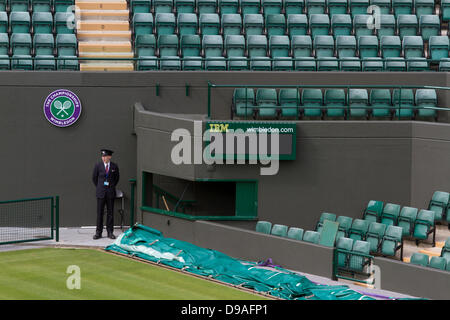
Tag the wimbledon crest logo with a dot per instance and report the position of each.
(62, 108)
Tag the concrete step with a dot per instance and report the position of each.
(117, 15)
(107, 55)
(104, 46)
(99, 25)
(101, 5)
(107, 66)
(96, 35)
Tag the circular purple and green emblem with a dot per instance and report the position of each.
(62, 108)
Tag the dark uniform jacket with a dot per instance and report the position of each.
(99, 177)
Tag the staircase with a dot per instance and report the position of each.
(103, 31)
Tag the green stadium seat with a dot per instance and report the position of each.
(190, 45)
(62, 6)
(261, 226)
(41, 5)
(266, 103)
(444, 65)
(438, 263)
(445, 252)
(344, 246)
(319, 24)
(184, 6)
(187, 24)
(4, 44)
(311, 237)
(383, 5)
(279, 230)
(395, 64)
(390, 46)
(381, 104)
(206, 6)
(209, 24)
(423, 7)
(404, 107)
(417, 64)
(445, 8)
(70, 63)
(341, 25)
(21, 44)
(357, 262)
(60, 23)
(297, 24)
(360, 22)
(345, 224)
(142, 23)
(408, 25)
(3, 9)
(293, 7)
(66, 45)
(165, 23)
(358, 7)
(212, 46)
(323, 46)
(312, 101)
(315, 7)
(289, 100)
(43, 44)
(324, 216)
(250, 7)
(275, 25)
(18, 6)
(440, 199)
(392, 241)
(141, 6)
(358, 100)
(238, 63)
(231, 24)
(350, 64)
(427, 98)
(145, 45)
(215, 64)
(4, 22)
(337, 7)
(228, 7)
(367, 46)
(243, 102)
(21, 62)
(42, 22)
(372, 212)
(260, 64)
(235, 46)
(424, 225)
(420, 259)
(390, 214)
(346, 46)
(253, 24)
(167, 45)
(271, 7)
(147, 63)
(335, 102)
(192, 63)
(305, 64)
(44, 62)
(162, 6)
(4, 62)
(257, 46)
(20, 22)
(438, 47)
(406, 220)
(327, 64)
(375, 236)
(429, 25)
(279, 46)
(295, 233)
(412, 47)
(387, 25)
(359, 229)
(402, 7)
(169, 63)
(372, 64)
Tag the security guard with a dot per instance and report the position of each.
(105, 178)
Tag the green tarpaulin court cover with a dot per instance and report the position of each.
(149, 244)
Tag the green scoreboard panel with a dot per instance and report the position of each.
(250, 140)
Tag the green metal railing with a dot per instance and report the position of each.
(32, 219)
(399, 103)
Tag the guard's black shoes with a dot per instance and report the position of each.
(97, 236)
(111, 236)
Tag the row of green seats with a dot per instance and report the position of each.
(422, 259)
(353, 255)
(39, 22)
(415, 223)
(281, 230)
(440, 205)
(331, 7)
(36, 5)
(295, 24)
(355, 103)
(41, 44)
(42, 62)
